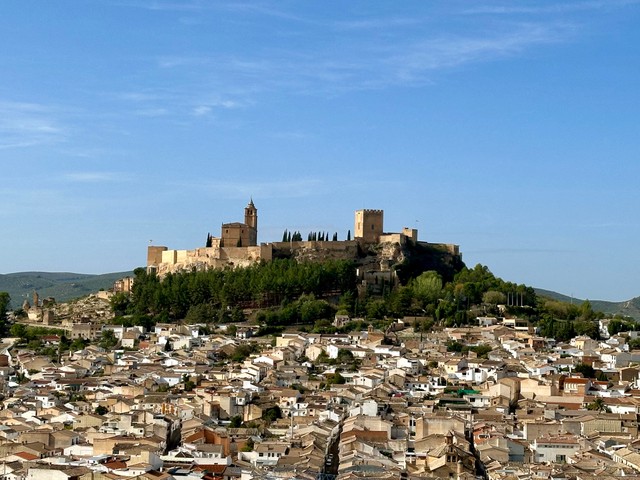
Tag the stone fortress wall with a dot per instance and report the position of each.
(224, 252)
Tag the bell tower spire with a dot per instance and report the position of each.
(251, 220)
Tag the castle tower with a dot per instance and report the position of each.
(368, 225)
(251, 219)
(251, 215)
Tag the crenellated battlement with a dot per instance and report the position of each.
(369, 225)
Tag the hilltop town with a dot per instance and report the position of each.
(99, 389)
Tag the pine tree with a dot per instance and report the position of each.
(349, 235)
(284, 235)
(335, 237)
(209, 240)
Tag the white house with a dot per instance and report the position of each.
(265, 453)
(554, 448)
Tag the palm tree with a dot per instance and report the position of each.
(598, 405)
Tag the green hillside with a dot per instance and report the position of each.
(62, 286)
(630, 308)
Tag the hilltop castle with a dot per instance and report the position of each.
(238, 245)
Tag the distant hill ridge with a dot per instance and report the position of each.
(630, 308)
(63, 286)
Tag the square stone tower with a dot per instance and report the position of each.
(368, 225)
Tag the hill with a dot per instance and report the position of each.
(62, 286)
(630, 308)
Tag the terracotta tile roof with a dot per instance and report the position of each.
(26, 456)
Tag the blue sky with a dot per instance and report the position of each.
(510, 128)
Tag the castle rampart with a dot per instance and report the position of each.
(338, 250)
(368, 232)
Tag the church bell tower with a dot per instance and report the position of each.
(251, 220)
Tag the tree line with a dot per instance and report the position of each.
(296, 236)
(222, 290)
(287, 292)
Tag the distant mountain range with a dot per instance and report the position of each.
(61, 286)
(630, 308)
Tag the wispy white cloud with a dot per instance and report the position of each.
(175, 101)
(296, 187)
(512, 8)
(201, 110)
(91, 152)
(292, 135)
(366, 65)
(26, 124)
(151, 112)
(142, 96)
(195, 6)
(287, 188)
(94, 177)
(207, 105)
(186, 6)
(376, 23)
(445, 52)
(197, 83)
